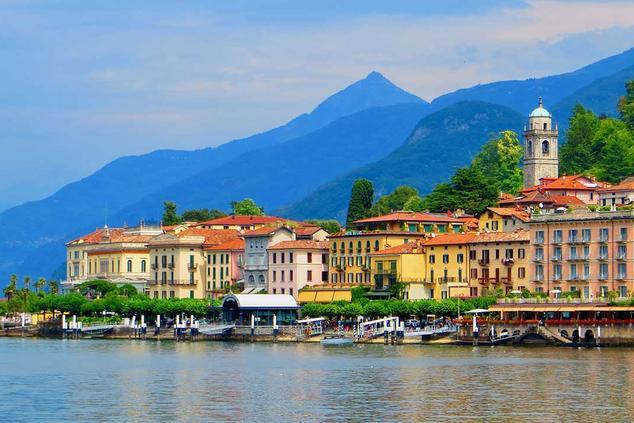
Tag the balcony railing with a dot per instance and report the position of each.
(557, 258)
(621, 276)
(557, 278)
(483, 262)
(603, 257)
(173, 282)
(557, 240)
(192, 266)
(538, 258)
(621, 257)
(154, 266)
(507, 281)
(603, 239)
(508, 261)
(170, 265)
(603, 276)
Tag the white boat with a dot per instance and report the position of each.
(337, 340)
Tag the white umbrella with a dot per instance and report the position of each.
(515, 291)
(477, 310)
(555, 291)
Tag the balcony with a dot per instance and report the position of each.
(577, 257)
(621, 276)
(557, 278)
(170, 265)
(539, 279)
(603, 257)
(183, 282)
(538, 241)
(603, 276)
(192, 266)
(574, 240)
(622, 240)
(556, 258)
(621, 257)
(483, 262)
(154, 266)
(508, 261)
(557, 240)
(603, 239)
(573, 278)
(538, 258)
(386, 272)
(507, 281)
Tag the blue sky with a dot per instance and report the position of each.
(85, 82)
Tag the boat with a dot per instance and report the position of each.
(337, 340)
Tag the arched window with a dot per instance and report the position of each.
(530, 148)
(143, 266)
(129, 266)
(545, 126)
(261, 279)
(251, 279)
(545, 148)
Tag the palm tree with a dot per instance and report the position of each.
(12, 288)
(41, 282)
(27, 282)
(52, 287)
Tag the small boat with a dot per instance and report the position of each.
(337, 340)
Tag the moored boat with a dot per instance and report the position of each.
(337, 340)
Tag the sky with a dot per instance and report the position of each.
(82, 83)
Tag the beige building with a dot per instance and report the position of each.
(583, 251)
(294, 265)
(179, 262)
(503, 219)
(618, 195)
(119, 255)
(225, 263)
(242, 223)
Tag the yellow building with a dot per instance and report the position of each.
(404, 264)
(498, 260)
(120, 255)
(242, 223)
(447, 266)
(503, 219)
(179, 262)
(406, 221)
(225, 263)
(351, 253)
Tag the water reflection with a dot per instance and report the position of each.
(51, 380)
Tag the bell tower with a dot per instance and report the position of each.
(541, 152)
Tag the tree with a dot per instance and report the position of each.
(12, 288)
(246, 207)
(394, 201)
(442, 198)
(330, 226)
(97, 287)
(53, 287)
(170, 216)
(626, 105)
(27, 283)
(40, 284)
(361, 199)
(473, 191)
(616, 158)
(576, 155)
(200, 215)
(415, 204)
(499, 161)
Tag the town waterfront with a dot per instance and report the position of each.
(48, 380)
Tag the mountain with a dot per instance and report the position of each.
(284, 173)
(600, 96)
(83, 205)
(442, 142)
(522, 95)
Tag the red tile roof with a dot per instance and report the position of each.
(306, 230)
(236, 244)
(511, 212)
(212, 236)
(302, 244)
(406, 216)
(566, 200)
(408, 248)
(626, 185)
(111, 235)
(264, 230)
(450, 239)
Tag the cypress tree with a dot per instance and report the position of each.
(360, 200)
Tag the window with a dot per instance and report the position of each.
(129, 266)
(557, 272)
(623, 233)
(445, 258)
(460, 258)
(557, 253)
(309, 275)
(275, 276)
(163, 261)
(622, 271)
(539, 253)
(282, 276)
(572, 235)
(539, 272)
(603, 235)
(622, 255)
(472, 255)
(603, 291)
(585, 235)
(573, 271)
(324, 276)
(290, 275)
(309, 257)
(603, 252)
(545, 146)
(282, 290)
(603, 271)
(623, 291)
(508, 253)
(274, 291)
(432, 259)
(539, 237)
(282, 258)
(290, 257)
(376, 245)
(474, 273)
(290, 291)
(521, 272)
(586, 271)
(274, 258)
(324, 259)
(557, 236)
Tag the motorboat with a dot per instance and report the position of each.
(337, 340)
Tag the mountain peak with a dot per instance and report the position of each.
(374, 75)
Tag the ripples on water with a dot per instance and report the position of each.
(103, 380)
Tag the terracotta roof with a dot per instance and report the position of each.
(111, 235)
(353, 233)
(212, 236)
(450, 239)
(231, 245)
(532, 197)
(264, 230)
(511, 212)
(626, 185)
(306, 230)
(302, 244)
(566, 200)
(243, 220)
(409, 248)
(518, 235)
(406, 216)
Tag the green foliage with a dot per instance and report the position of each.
(415, 204)
(53, 287)
(98, 287)
(127, 290)
(11, 289)
(469, 190)
(577, 154)
(246, 207)
(170, 216)
(201, 215)
(616, 155)
(330, 226)
(360, 200)
(394, 201)
(40, 284)
(499, 161)
(626, 105)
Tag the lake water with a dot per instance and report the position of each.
(104, 380)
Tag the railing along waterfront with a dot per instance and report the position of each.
(596, 300)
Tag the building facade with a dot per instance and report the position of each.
(294, 265)
(583, 251)
(256, 258)
(403, 264)
(503, 219)
(621, 194)
(541, 150)
(225, 263)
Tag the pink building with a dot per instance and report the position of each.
(296, 264)
(583, 251)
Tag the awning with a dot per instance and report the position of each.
(306, 296)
